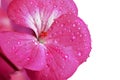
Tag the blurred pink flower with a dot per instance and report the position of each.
(48, 39)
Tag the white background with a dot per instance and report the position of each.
(103, 19)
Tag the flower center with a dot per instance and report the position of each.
(42, 36)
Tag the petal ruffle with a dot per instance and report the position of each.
(23, 50)
(70, 31)
(39, 14)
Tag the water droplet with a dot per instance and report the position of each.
(35, 43)
(31, 2)
(65, 29)
(54, 6)
(69, 30)
(8, 42)
(74, 11)
(66, 56)
(61, 25)
(18, 43)
(79, 54)
(60, 32)
(60, 8)
(62, 1)
(55, 41)
(74, 25)
(28, 59)
(79, 28)
(80, 35)
(79, 23)
(87, 47)
(69, 21)
(33, 40)
(13, 47)
(47, 54)
(56, 22)
(73, 37)
(85, 35)
(78, 32)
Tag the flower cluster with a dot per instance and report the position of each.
(41, 39)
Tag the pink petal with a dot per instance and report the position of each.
(5, 3)
(39, 14)
(70, 31)
(68, 45)
(5, 70)
(61, 64)
(19, 75)
(5, 24)
(23, 50)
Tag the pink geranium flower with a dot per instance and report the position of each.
(60, 43)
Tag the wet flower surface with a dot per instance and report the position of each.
(54, 41)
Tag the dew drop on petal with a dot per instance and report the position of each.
(55, 41)
(74, 25)
(28, 59)
(80, 35)
(13, 47)
(66, 56)
(78, 32)
(47, 54)
(85, 35)
(8, 42)
(73, 37)
(69, 30)
(79, 28)
(61, 25)
(34, 42)
(79, 54)
(68, 21)
(62, 1)
(18, 43)
(65, 29)
(54, 6)
(60, 32)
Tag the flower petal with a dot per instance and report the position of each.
(4, 4)
(39, 14)
(61, 64)
(70, 31)
(5, 70)
(23, 50)
(68, 45)
(19, 75)
(5, 24)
